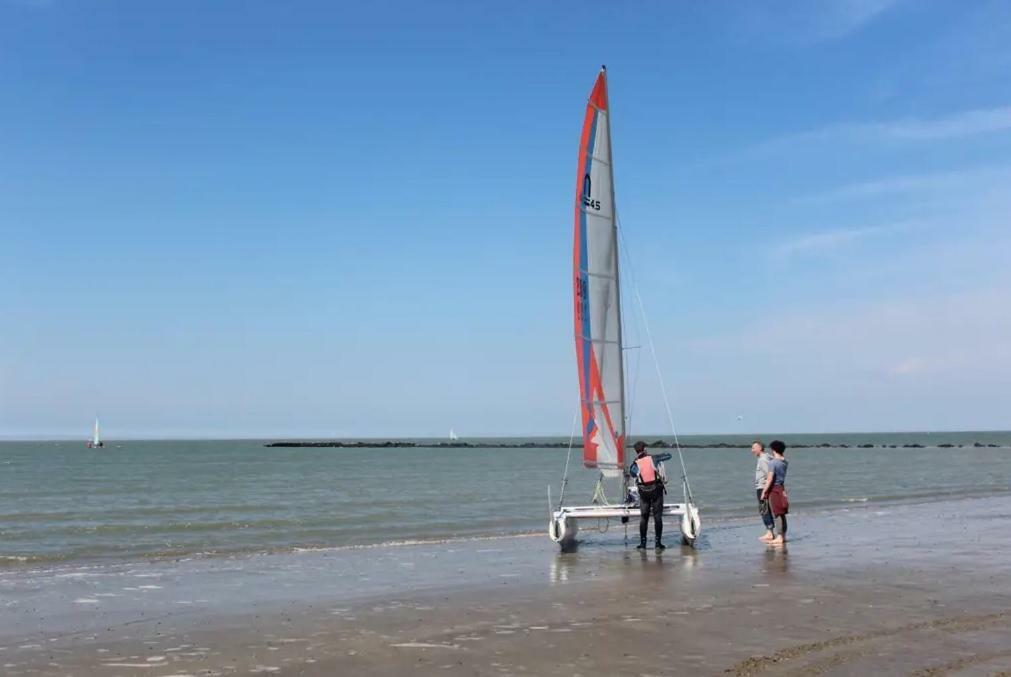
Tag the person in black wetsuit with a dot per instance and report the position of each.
(649, 480)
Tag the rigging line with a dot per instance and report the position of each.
(629, 386)
(656, 363)
(636, 377)
(630, 396)
(632, 385)
(568, 455)
(599, 497)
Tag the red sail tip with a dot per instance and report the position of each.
(598, 97)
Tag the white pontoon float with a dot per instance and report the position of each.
(599, 348)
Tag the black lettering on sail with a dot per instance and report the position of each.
(587, 202)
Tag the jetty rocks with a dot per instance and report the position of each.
(656, 444)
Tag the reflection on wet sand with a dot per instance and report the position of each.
(576, 564)
(776, 560)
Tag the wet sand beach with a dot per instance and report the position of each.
(885, 589)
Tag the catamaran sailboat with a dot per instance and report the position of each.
(96, 439)
(599, 347)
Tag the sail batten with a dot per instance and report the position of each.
(601, 341)
(596, 293)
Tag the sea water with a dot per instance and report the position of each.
(63, 503)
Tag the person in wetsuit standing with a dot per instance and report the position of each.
(649, 480)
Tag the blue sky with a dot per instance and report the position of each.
(309, 219)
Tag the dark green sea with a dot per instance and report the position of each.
(61, 502)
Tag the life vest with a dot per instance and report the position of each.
(647, 471)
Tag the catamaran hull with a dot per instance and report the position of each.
(564, 524)
(563, 529)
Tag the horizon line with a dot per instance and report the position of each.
(464, 438)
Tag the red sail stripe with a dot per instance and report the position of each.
(589, 449)
(619, 442)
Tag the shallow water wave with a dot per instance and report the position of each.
(939, 494)
(63, 503)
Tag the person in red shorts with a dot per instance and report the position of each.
(775, 490)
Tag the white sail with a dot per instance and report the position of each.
(96, 438)
(597, 298)
(452, 435)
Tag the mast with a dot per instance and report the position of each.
(617, 287)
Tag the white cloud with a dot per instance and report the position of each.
(957, 125)
(830, 241)
(967, 181)
(839, 18)
(849, 362)
(915, 337)
(908, 367)
(807, 22)
(953, 126)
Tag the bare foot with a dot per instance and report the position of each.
(767, 536)
(778, 542)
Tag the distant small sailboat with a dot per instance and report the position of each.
(453, 437)
(96, 438)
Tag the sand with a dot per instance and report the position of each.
(902, 589)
